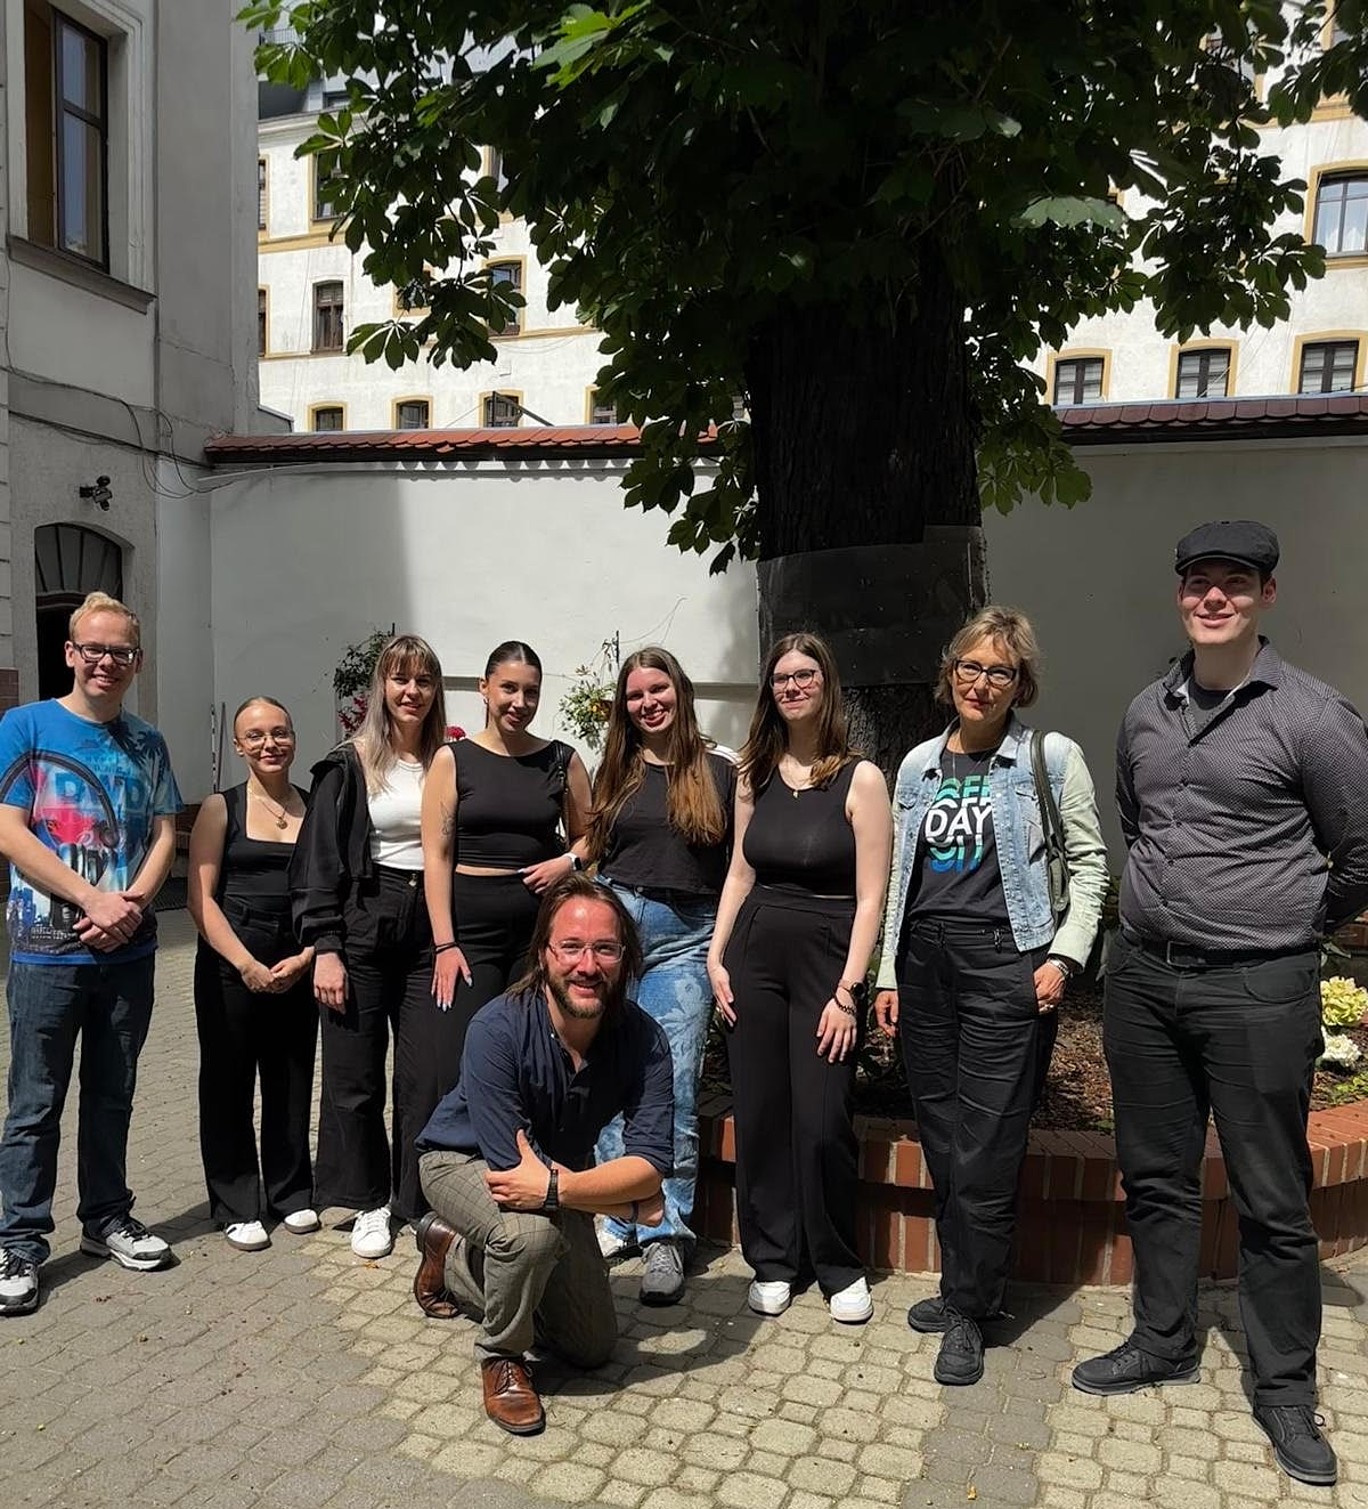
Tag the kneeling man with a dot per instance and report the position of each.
(507, 1160)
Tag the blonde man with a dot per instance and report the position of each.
(87, 822)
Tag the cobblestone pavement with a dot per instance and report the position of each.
(300, 1377)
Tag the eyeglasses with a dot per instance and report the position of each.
(780, 679)
(254, 738)
(572, 952)
(120, 654)
(999, 676)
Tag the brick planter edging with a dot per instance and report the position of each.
(1071, 1228)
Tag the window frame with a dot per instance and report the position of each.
(315, 409)
(316, 184)
(590, 403)
(1358, 338)
(519, 325)
(1319, 174)
(1068, 357)
(399, 403)
(1197, 348)
(516, 394)
(340, 349)
(263, 321)
(263, 195)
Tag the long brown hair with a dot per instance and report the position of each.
(768, 738)
(405, 655)
(692, 802)
(575, 887)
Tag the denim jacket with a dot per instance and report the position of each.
(1020, 839)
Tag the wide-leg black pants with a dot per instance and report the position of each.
(388, 956)
(494, 916)
(975, 1049)
(1240, 1042)
(244, 1036)
(796, 1155)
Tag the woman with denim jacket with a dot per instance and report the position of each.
(974, 960)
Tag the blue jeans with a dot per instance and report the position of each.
(674, 991)
(110, 1006)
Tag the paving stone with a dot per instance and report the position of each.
(822, 1475)
(748, 1490)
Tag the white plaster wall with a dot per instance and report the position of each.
(1098, 581)
(184, 670)
(308, 560)
(6, 570)
(1140, 358)
(552, 364)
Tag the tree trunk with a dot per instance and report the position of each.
(863, 427)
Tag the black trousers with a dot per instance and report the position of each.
(388, 954)
(975, 1049)
(1242, 1043)
(244, 1037)
(494, 916)
(796, 1156)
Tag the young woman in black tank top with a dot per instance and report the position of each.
(797, 923)
(254, 1006)
(493, 807)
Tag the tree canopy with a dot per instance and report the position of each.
(701, 178)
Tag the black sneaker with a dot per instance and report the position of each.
(1126, 1368)
(18, 1283)
(960, 1359)
(1302, 1451)
(929, 1316)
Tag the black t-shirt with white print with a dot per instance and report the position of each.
(958, 876)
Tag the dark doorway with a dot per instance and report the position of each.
(69, 561)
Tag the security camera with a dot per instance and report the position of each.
(99, 493)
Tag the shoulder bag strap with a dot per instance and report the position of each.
(1056, 861)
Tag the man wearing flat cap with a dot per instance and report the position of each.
(1241, 786)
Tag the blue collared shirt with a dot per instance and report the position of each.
(516, 1075)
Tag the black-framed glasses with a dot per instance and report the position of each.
(967, 672)
(120, 654)
(804, 678)
(572, 952)
(254, 738)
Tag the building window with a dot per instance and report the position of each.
(1342, 214)
(501, 411)
(327, 333)
(1203, 374)
(261, 322)
(1078, 380)
(601, 411)
(261, 193)
(67, 120)
(327, 417)
(1328, 367)
(412, 414)
(323, 207)
(509, 274)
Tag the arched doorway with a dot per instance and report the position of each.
(69, 561)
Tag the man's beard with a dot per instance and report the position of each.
(610, 996)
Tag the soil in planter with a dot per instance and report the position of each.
(1077, 1094)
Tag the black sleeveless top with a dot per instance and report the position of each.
(644, 850)
(508, 807)
(253, 870)
(802, 840)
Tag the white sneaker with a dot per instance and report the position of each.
(301, 1222)
(770, 1298)
(129, 1243)
(247, 1236)
(852, 1306)
(18, 1283)
(371, 1236)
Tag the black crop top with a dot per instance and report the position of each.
(252, 870)
(803, 839)
(508, 807)
(644, 850)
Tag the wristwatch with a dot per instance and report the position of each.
(1066, 967)
(552, 1202)
(576, 863)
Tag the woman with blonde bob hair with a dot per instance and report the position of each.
(796, 926)
(660, 833)
(357, 886)
(975, 960)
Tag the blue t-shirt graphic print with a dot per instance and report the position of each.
(91, 792)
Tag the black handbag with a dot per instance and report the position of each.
(1056, 859)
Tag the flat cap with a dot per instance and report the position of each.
(1242, 540)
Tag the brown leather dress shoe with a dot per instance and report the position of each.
(434, 1239)
(510, 1399)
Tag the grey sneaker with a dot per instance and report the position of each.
(129, 1243)
(18, 1283)
(662, 1281)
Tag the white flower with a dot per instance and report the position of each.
(1341, 1051)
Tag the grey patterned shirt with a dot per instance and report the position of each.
(1252, 831)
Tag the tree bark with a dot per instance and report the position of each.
(864, 429)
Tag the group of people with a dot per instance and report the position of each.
(543, 952)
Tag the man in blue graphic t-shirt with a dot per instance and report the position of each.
(87, 822)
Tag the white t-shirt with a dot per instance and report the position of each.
(396, 812)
